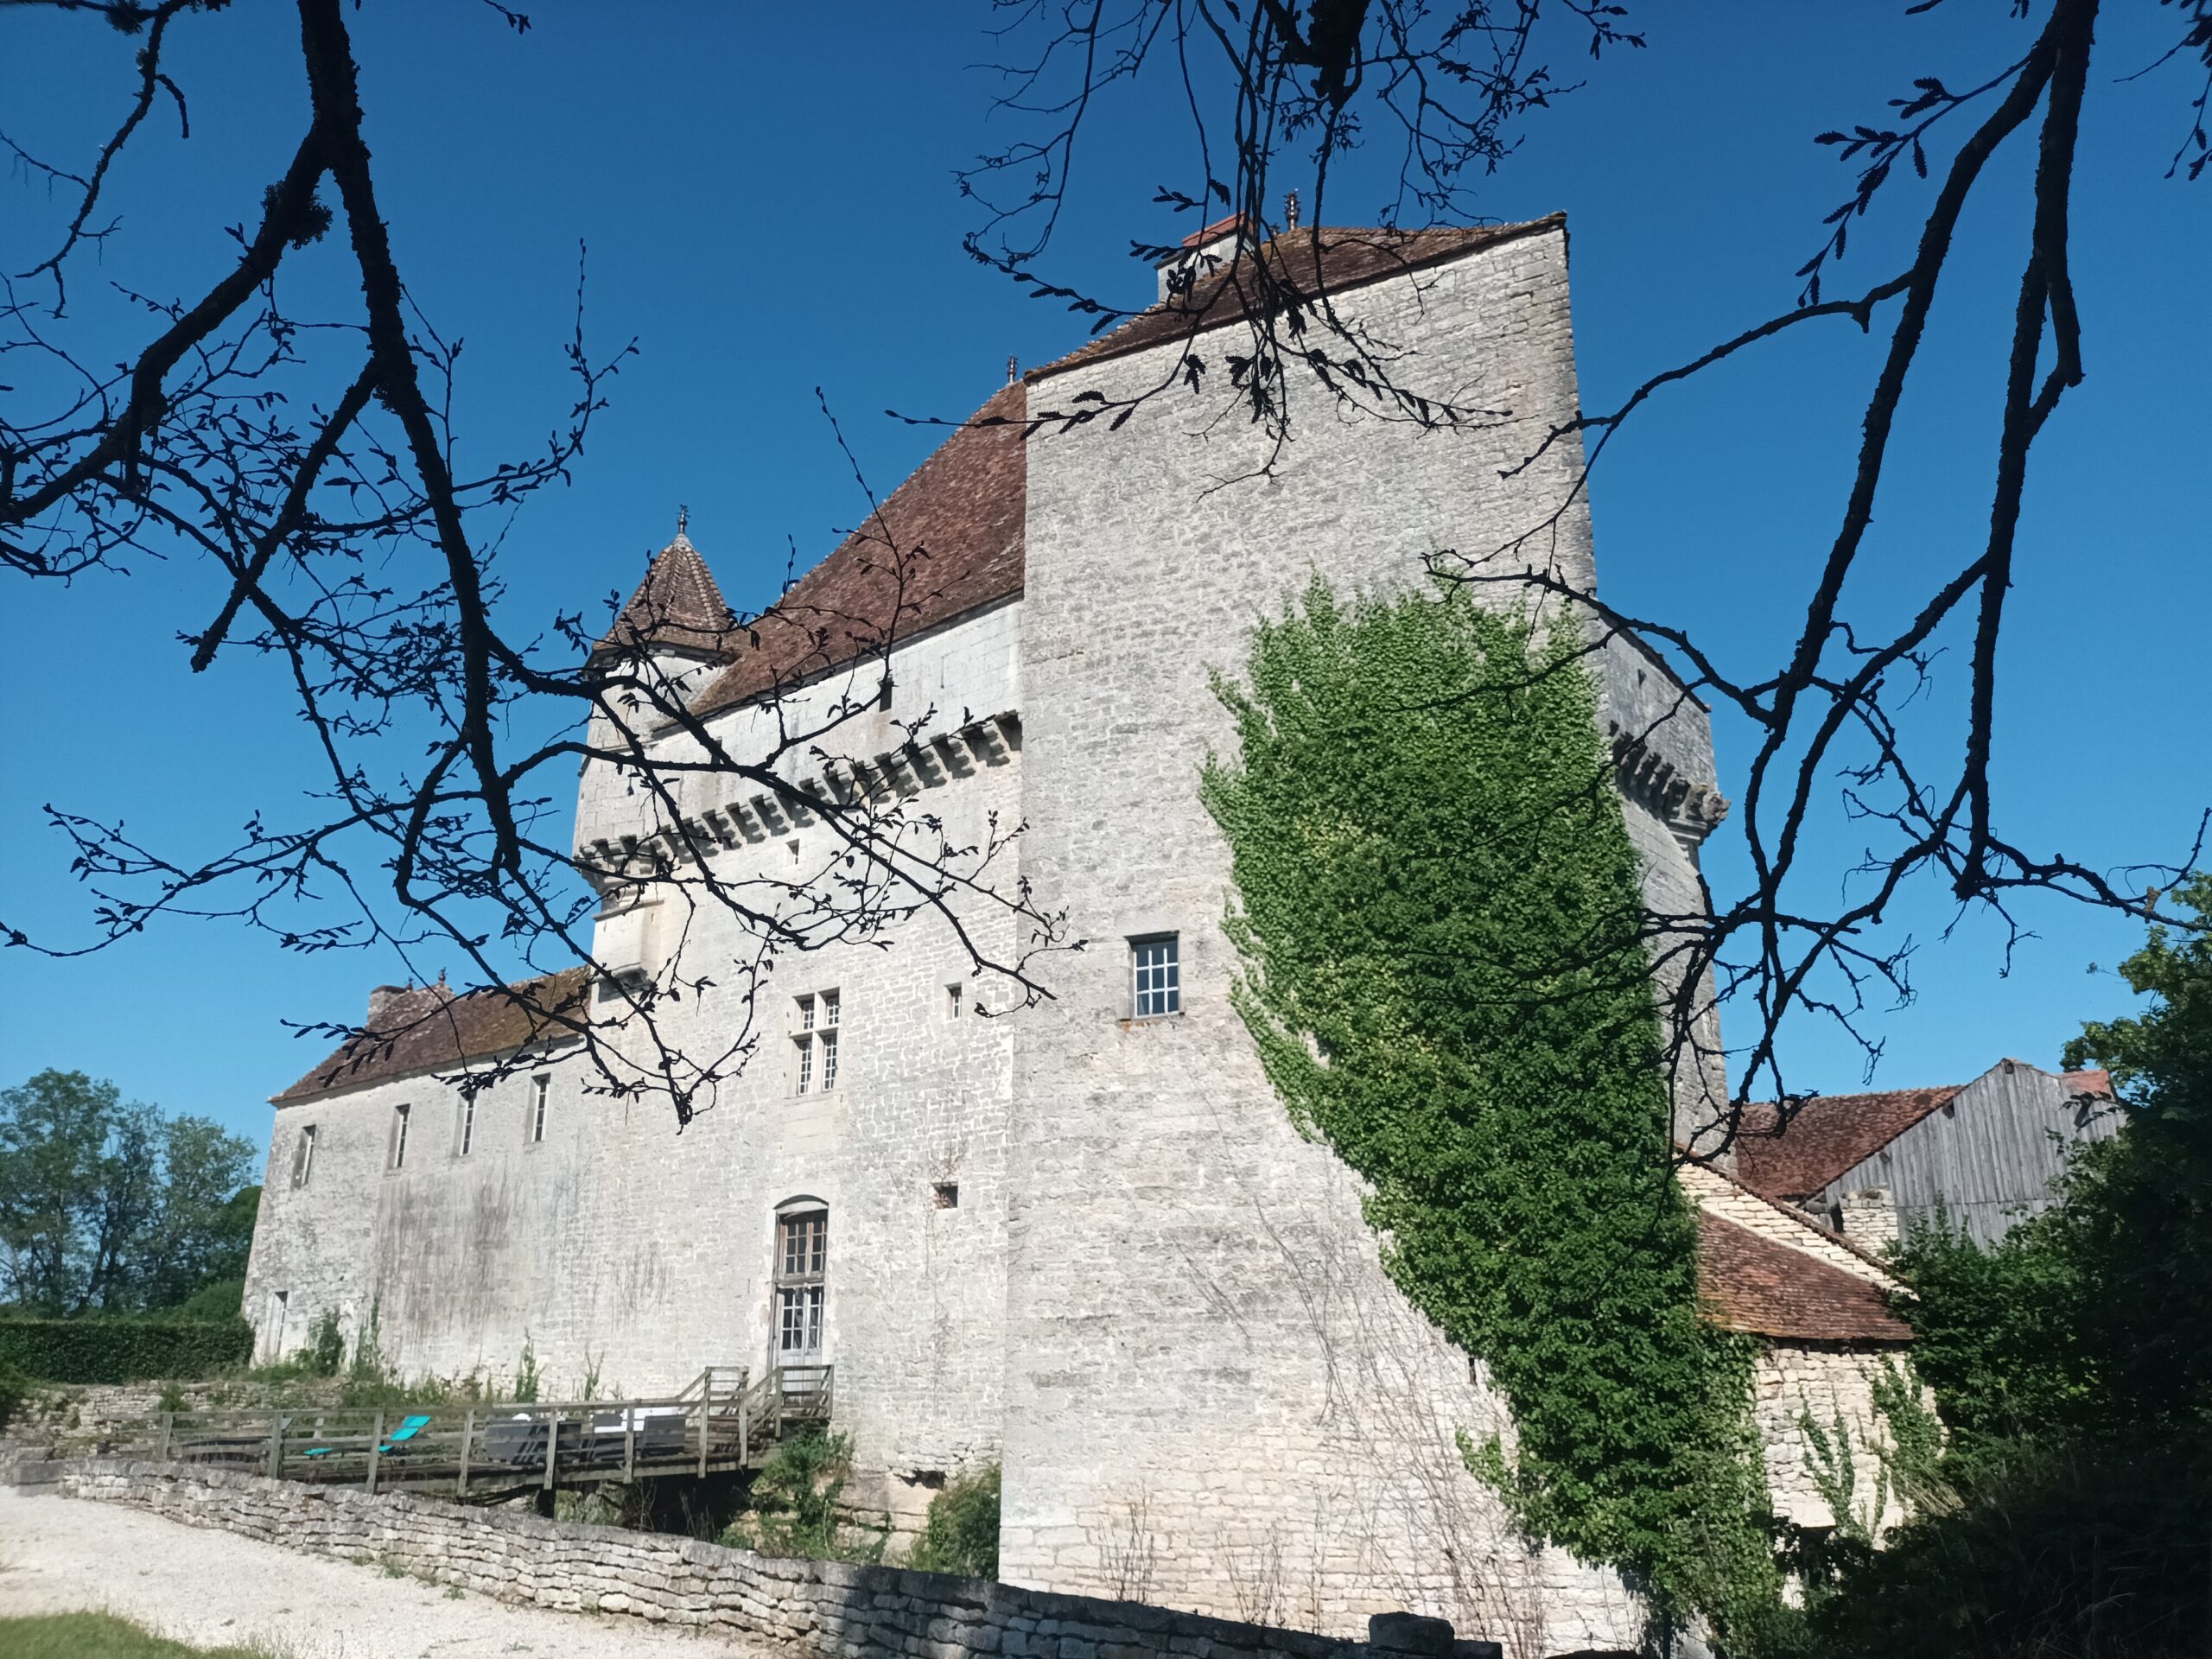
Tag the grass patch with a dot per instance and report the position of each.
(97, 1636)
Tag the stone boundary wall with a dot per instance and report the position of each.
(833, 1609)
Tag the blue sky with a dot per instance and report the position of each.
(769, 203)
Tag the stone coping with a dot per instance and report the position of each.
(834, 1609)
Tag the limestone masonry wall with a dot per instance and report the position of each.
(1215, 1397)
(829, 1608)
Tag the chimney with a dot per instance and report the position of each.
(380, 1002)
(1204, 251)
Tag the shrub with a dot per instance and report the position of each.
(123, 1351)
(326, 1348)
(962, 1534)
(15, 1389)
(224, 1299)
(2055, 1551)
(792, 1506)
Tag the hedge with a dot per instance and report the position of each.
(122, 1350)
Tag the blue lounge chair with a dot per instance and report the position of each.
(408, 1429)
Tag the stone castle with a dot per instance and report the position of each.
(1080, 1239)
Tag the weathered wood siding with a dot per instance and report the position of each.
(1989, 1159)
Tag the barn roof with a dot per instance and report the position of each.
(1829, 1135)
(1754, 1284)
(424, 1027)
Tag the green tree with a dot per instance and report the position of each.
(2073, 1366)
(1440, 916)
(109, 1206)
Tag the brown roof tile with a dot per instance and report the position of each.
(960, 516)
(676, 606)
(948, 541)
(1309, 264)
(2096, 1081)
(427, 1027)
(1826, 1136)
(1753, 1284)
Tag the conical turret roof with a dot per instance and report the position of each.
(677, 607)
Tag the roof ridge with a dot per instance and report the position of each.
(1198, 310)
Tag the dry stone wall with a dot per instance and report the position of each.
(832, 1609)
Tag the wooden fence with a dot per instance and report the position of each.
(486, 1450)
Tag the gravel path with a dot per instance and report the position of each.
(207, 1588)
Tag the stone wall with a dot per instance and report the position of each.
(1212, 1387)
(1833, 1384)
(620, 1247)
(833, 1609)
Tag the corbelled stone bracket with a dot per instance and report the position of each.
(903, 773)
(1692, 811)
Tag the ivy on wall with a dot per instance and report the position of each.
(1438, 913)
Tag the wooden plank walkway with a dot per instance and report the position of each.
(485, 1451)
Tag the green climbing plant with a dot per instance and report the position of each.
(1438, 912)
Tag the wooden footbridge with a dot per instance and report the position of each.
(487, 1452)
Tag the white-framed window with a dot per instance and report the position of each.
(540, 1087)
(1156, 969)
(399, 1115)
(802, 1277)
(303, 1156)
(815, 1036)
(467, 1123)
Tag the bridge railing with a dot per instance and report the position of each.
(722, 1420)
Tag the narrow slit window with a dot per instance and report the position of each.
(399, 1116)
(467, 1123)
(952, 1000)
(304, 1157)
(1157, 964)
(539, 1087)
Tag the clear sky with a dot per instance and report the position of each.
(768, 198)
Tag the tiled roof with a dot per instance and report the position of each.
(948, 541)
(1827, 1136)
(1309, 263)
(1753, 1284)
(427, 1027)
(2095, 1082)
(676, 606)
(1831, 1134)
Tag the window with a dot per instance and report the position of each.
(1159, 970)
(398, 1137)
(947, 1194)
(952, 1001)
(304, 1157)
(816, 1041)
(539, 1087)
(801, 1253)
(467, 1123)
